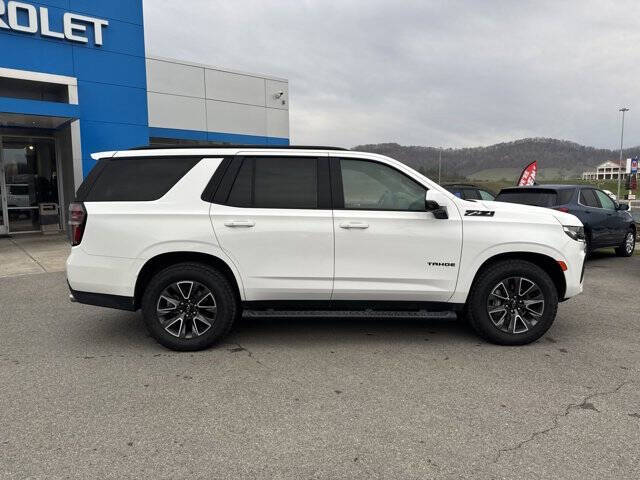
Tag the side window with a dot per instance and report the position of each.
(484, 195)
(241, 194)
(588, 198)
(138, 179)
(564, 196)
(276, 182)
(456, 191)
(605, 200)
(370, 185)
(471, 194)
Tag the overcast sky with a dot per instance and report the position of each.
(439, 73)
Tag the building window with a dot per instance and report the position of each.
(32, 90)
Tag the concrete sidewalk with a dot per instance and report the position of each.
(28, 254)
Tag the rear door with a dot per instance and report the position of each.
(594, 217)
(387, 247)
(272, 216)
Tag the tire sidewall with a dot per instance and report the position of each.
(220, 288)
(622, 249)
(487, 282)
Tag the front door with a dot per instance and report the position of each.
(594, 218)
(616, 225)
(276, 225)
(387, 247)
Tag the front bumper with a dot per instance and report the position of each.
(574, 275)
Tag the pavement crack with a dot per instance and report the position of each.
(28, 254)
(240, 348)
(584, 404)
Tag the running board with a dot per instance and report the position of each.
(423, 314)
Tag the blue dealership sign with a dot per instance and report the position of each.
(100, 44)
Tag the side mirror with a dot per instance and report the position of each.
(435, 202)
(623, 206)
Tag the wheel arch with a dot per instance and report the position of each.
(164, 260)
(547, 263)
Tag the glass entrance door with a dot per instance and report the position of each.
(30, 178)
(4, 216)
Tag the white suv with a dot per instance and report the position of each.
(194, 236)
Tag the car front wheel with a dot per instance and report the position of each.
(513, 302)
(628, 245)
(189, 306)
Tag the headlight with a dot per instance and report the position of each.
(576, 233)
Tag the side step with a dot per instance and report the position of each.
(447, 315)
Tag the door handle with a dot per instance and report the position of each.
(358, 225)
(240, 223)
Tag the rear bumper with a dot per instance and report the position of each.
(103, 300)
(98, 274)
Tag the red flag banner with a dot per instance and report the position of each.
(528, 175)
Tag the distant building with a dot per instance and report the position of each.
(605, 171)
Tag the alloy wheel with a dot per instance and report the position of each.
(186, 309)
(515, 305)
(629, 243)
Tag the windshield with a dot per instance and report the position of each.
(545, 198)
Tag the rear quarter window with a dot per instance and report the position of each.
(564, 196)
(137, 179)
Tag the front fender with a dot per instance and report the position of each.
(473, 261)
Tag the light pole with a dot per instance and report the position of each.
(623, 110)
(439, 166)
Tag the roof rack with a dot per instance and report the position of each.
(208, 145)
(455, 184)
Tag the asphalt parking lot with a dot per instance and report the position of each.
(85, 393)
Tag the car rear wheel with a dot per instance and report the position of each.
(189, 306)
(628, 245)
(513, 302)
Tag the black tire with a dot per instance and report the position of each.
(626, 250)
(589, 245)
(184, 336)
(507, 272)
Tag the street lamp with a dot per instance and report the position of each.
(623, 110)
(439, 166)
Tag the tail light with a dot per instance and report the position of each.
(77, 221)
(562, 209)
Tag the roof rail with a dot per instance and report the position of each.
(208, 145)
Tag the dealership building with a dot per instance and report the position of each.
(75, 79)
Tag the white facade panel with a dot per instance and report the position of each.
(171, 111)
(174, 78)
(277, 94)
(229, 117)
(233, 87)
(277, 123)
(186, 96)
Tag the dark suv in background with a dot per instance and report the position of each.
(469, 192)
(606, 223)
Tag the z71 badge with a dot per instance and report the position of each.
(479, 213)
